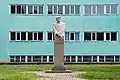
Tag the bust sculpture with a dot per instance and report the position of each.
(58, 28)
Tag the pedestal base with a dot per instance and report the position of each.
(58, 71)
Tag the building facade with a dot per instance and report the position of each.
(91, 32)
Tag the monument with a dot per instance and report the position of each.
(58, 29)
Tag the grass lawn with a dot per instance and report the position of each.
(13, 72)
(99, 72)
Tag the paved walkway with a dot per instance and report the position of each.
(59, 76)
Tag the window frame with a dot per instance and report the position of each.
(26, 36)
(27, 9)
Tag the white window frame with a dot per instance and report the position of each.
(47, 36)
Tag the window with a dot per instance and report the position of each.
(72, 36)
(29, 58)
(44, 58)
(67, 58)
(50, 36)
(22, 58)
(64, 9)
(23, 35)
(36, 58)
(11, 58)
(87, 36)
(12, 7)
(101, 58)
(87, 9)
(26, 9)
(30, 36)
(117, 58)
(113, 36)
(100, 9)
(79, 58)
(109, 58)
(12, 36)
(111, 8)
(18, 35)
(50, 58)
(19, 9)
(94, 58)
(86, 58)
(100, 36)
(17, 59)
(73, 58)
(26, 36)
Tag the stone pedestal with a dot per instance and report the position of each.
(58, 56)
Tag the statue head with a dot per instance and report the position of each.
(58, 19)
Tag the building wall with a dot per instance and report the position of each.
(9, 22)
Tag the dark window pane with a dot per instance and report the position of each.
(100, 9)
(73, 58)
(23, 35)
(18, 35)
(77, 9)
(86, 58)
(50, 9)
(29, 59)
(114, 9)
(36, 58)
(87, 9)
(30, 9)
(109, 58)
(60, 9)
(35, 36)
(77, 36)
(18, 9)
(49, 35)
(107, 8)
(67, 58)
(93, 36)
(107, 36)
(101, 58)
(44, 58)
(94, 9)
(71, 36)
(67, 9)
(117, 58)
(35, 9)
(72, 9)
(11, 58)
(66, 35)
(30, 36)
(22, 58)
(113, 36)
(79, 58)
(12, 36)
(94, 58)
(12, 9)
(17, 58)
(100, 36)
(55, 9)
(50, 58)
(41, 9)
(23, 9)
(87, 36)
(40, 35)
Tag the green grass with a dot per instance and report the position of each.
(97, 72)
(13, 72)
